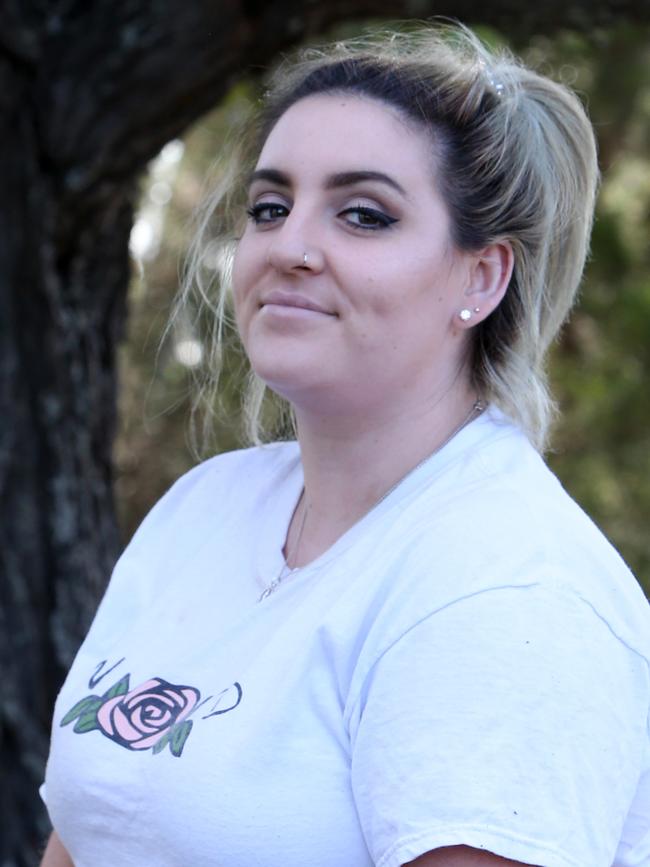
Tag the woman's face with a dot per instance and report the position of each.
(370, 319)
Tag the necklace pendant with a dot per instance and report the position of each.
(268, 590)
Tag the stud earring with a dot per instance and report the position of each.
(466, 314)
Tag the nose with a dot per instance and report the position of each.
(293, 248)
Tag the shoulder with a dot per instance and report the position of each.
(498, 520)
(223, 480)
(243, 465)
(533, 528)
(212, 501)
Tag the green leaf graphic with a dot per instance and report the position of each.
(87, 722)
(89, 703)
(179, 734)
(160, 745)
(119, 688)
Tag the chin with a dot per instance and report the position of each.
(280, 365)
(299, 385)
(284, 379)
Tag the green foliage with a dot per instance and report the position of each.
(85, 709)
(600, 367)
(119, 688)
(601, 448)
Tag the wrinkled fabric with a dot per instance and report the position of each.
(469, 664)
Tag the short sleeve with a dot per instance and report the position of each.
(513, 720)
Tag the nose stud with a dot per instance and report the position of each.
(287, 260)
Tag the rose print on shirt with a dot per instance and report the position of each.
(150, 716)
(142, 717)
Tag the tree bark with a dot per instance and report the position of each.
(89, 93)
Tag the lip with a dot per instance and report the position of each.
(278, 298)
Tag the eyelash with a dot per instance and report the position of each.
(382, 221)
(255, 212)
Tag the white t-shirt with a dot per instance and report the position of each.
(469, 664)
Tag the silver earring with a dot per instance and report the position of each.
(304, 260)
(466, 314)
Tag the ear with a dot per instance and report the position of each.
(488, 279)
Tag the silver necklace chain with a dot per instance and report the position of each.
(286, 571)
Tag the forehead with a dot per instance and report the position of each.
(325, 132)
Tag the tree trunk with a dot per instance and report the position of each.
(63, 278)
(89, 93)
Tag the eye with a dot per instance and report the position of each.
(369, 219)
(267, 212)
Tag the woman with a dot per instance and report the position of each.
(397, 640)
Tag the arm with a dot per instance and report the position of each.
(510, 722)
(55, 854)
(462, 856)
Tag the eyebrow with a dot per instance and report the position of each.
(332, 182)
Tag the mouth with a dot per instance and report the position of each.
(293, 302)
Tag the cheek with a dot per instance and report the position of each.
(379, 284)
(408, 306)
(393, 289)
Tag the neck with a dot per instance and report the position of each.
(350, 465)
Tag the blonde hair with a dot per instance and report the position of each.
(515, 159)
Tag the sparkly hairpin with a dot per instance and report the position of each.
(495, 84)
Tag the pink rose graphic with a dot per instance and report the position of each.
(139, 719)
(150, 716)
